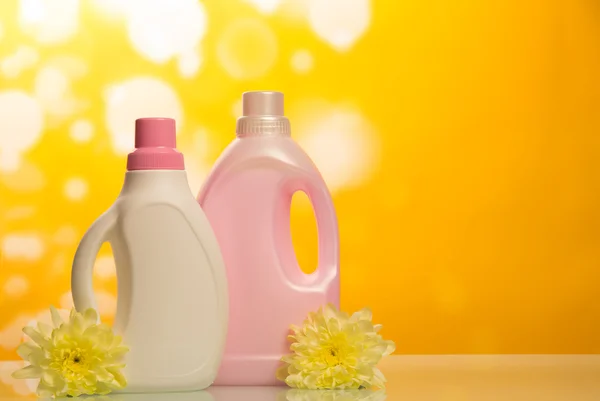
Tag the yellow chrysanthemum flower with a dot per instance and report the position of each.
(73, 358)
(333, 350)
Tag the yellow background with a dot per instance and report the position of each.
(461, 140)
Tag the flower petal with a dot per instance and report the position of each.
(53, 379)
(35, 336)
(363, 314)
(56, 319)
(378, 379)
(116, 341)
(90, 317)
(77, 323)
(38, 358)
(119, 352)
(365, 326)
(93, 333)
(102, 388)
(44, 390)
(391, 347)
(73, 392)
(333, 325)
(310, 381)
(330, 311)
(295, 381)
(90, 380)
(44, 329)
(282, 372)
(25, 349)
(101, 373)
(28, 372)
(118, 376)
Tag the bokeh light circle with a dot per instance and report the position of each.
(50, 22)
(136, 98)
(21, 122)
(247, 48)
(340, 22)
(302, 61)
(341, 142)
(162, 29)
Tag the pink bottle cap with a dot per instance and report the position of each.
(155, 146)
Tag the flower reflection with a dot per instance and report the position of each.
(225, 393)
(187, 396)
(335, 395)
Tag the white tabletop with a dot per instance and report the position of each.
(411, 378)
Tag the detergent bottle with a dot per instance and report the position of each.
(247, 198)
(172, 298)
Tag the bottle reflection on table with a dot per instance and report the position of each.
(244, 394)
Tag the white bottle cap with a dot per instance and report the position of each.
(262, 104)
(262, 114)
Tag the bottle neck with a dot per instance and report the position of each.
(253, 126)
(169, 181)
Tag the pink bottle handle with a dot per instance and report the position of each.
(85, 258)
(328, 260)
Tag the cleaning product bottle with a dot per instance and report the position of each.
(172, 288)
(247, 199)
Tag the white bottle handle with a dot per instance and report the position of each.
(85, 257)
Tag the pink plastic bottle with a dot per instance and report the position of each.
(247, 199)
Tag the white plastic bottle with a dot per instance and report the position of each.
(172, 303)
